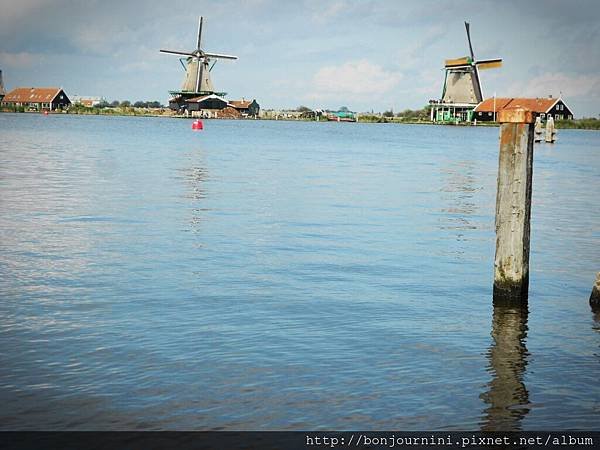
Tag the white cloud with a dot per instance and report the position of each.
(324, 13)
(19, 60)
(558, 82)
(354, 78)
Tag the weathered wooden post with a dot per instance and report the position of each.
(550, 131)
(595, 296)
(538, 129)
(513, 206)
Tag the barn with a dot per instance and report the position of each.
(246, 107)
(37, 98)
(543, 107)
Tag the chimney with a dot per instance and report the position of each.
(550, 96)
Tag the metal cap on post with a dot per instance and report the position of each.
(516, 114)
(513, 206)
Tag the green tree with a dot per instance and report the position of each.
(303, 108)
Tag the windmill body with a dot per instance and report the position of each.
(2, 90)
(197, 64)
(462, 87)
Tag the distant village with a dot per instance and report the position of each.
(461, 102)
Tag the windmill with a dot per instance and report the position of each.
(462, 86)
(197, 67)
(2, 90)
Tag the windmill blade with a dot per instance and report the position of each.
(489, 63)
(459, 62)
(213, 65)
(218, 55)
(200, 33)
(175, 52)
(469, 39)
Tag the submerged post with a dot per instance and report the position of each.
(513, 206)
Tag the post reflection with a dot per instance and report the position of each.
(507, 397)
(596, 314)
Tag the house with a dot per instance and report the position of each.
(543, 107)
(246, 107)
(87, 101)
(37, 98)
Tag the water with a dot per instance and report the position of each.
(281, 275)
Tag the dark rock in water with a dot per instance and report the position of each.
(595, 296)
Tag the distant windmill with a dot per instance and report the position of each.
(2, 90)
(197, 77)
(462, 83)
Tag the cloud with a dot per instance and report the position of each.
(554, 83)
(354, 78)
(20, 60)
(325, 13)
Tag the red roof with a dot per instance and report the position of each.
(538, 105)
(240, 104)
(32, 95)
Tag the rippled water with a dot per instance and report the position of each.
(281, 275)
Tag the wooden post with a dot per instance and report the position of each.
(550, 131)
(513, 206)
(595, 296)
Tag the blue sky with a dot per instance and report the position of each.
(367, 55)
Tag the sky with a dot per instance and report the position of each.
(362, 54)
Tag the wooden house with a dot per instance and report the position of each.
(246, 107)
(543, 107)
(38, 99)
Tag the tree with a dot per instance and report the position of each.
(343, 109)
(114, 103)
(125, 103)
(103, 104)
(389, 113)
(303, 109)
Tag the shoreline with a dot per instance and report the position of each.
(166, 113)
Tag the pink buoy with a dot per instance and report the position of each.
(197, 125)
(45, 113)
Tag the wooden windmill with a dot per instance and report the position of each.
(197, 67)
(2, 90)
(462, 87)
(462, 84)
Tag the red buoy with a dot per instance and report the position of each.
(197, 125)
(45, 113)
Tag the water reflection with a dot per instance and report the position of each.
(507, 396)
(459, 187)
(195, 178)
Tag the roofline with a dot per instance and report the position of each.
(553, 105)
